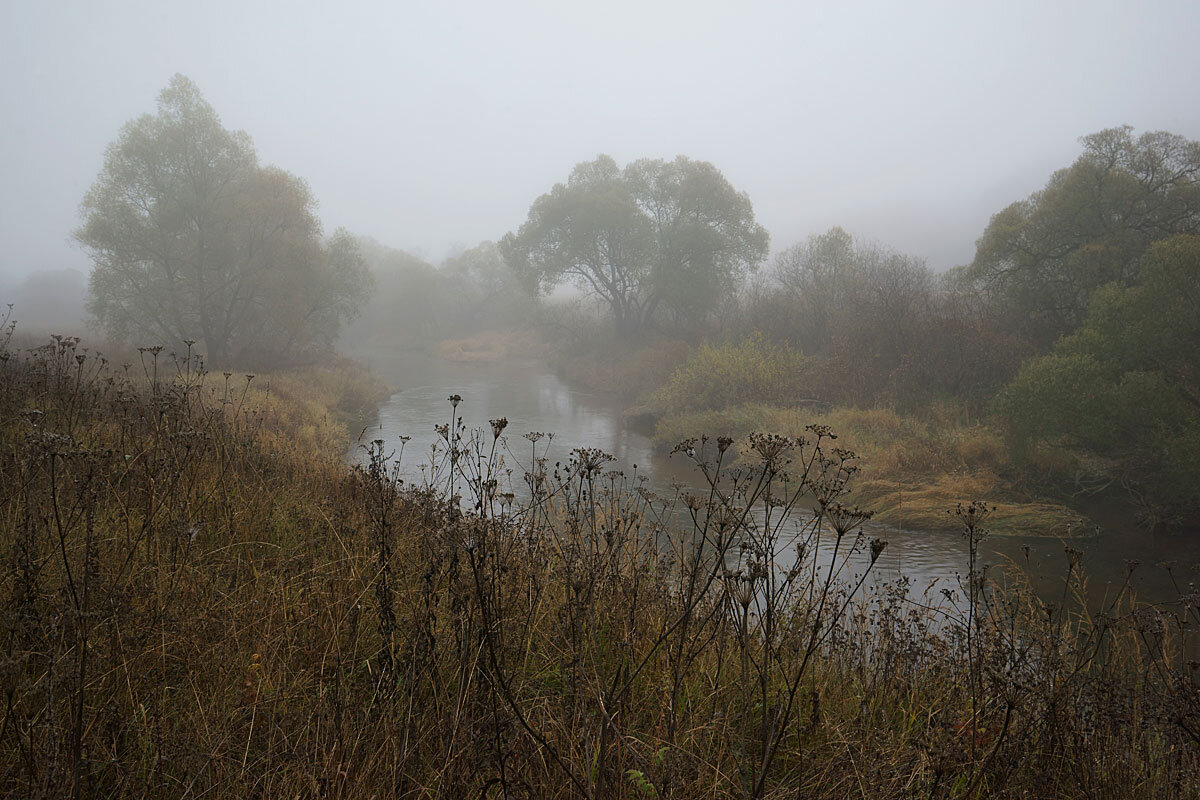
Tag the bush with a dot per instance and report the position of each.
(606, 364)
(714, 378)
(1123, 387)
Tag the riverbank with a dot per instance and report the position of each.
(914, 472)
(319, 408)
(203, 599)
(493, 347)
(628, 371)
(915, 469)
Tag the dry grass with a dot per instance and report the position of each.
(914, 469)
(492, 347)
(312, 409)
(198, 604)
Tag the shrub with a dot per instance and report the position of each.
(1123, 387)
(714, 378)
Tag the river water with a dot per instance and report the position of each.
(533, 398)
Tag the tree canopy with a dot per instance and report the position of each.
(191, 239)
(836, 282)
(1046, 255)
(1126, 385)
(657, 236)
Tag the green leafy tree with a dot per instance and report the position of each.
(191, 239)
(1043, 257)
(1126, 385)
(656, 236)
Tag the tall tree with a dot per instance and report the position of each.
(191, 239)
(1043, 257)
(656, 235)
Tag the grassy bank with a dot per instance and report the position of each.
(198, 602)
(914, 470)
(916, 466)
(318, 408)
(493, 346)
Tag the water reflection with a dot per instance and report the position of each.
(534, 399)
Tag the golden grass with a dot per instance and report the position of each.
(914, 471)
(202, 600)
(928, 505)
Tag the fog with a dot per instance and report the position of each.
(625, 398)
(430, 127)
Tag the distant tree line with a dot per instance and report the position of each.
(49, 301)
(1076, 325)
(414, 303)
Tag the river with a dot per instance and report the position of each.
(533, 398)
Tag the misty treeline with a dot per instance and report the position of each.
(414, 303)
(50, 301)
(192, 239)
(1076, 325)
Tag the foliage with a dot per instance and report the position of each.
(192, 609)
(1043, 257)
(404, 307)
(655, 236)
(634, 371)
(833, 278)
(823, 277)
(487, 293)
(192, 240)
(483, 268)
(879, 326)
(715, 377)
(1126, 386)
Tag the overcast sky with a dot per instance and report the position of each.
(430, 126)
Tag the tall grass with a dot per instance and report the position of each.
(194, 607)
(915, 468)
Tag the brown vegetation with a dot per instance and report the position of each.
(196, 605)
(492, 347)
(914, 468)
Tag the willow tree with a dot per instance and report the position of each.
(1045, 256)
(191, 239)
(656, 236)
